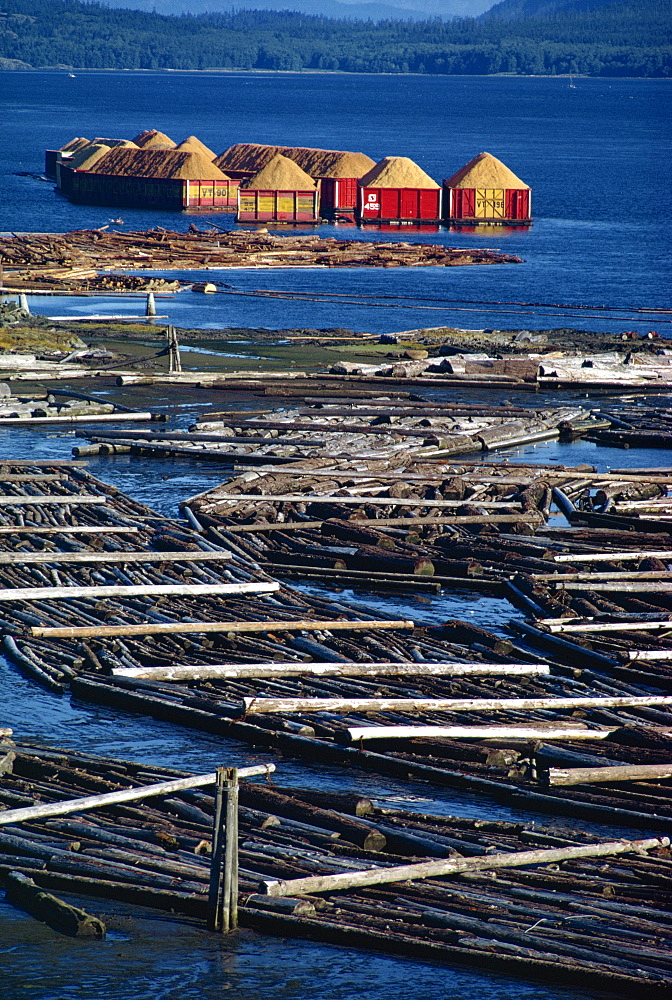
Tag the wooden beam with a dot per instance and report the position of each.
(79, 419)
(100, 558)
(610, 556)
(261, 705)
(152, 628)
(454, 866)
(46, 478)
(531, 732)
(43, 500)
(409, 522)
(605, 775)
(303, 669)
(332, 498)
(67, 806)
(66, 529)
(134, 590)
(634, 626)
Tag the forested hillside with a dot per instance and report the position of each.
(619, 39)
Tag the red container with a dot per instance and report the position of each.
(498, 205)
(399, 204)
(218, 195)
(338, 196)
(277, 206)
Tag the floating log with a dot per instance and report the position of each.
(605, 775)
(292, 669)
(79, 499)
(89, 802)
(101, 558)
(261, 705)
(67, 529)
(433, 869)
(154, 589)
(558, 731)
(150, 628)
(28, 421)
(360, 501)
(47, 908)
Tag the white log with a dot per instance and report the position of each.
(622, 586)
(152, 628)
(154, 589)
(613, 556)
(220, 498)
(261, 705)
(40, 501)
(650, 654)
(434, 869)
(559, 579)
(303, 669)
(555, 731)
(67, 529)
(66, 806)
(606, 626)
(80, 419)
(4, 731)
(605, 775)
(99, 558)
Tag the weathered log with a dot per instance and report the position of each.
(433, 869)
(306, 669)
(260, 705)
(605, 775)
(100, 558)
(63, 808)
(528, 731)
(60, 916)
(154, 590)
(151, 628)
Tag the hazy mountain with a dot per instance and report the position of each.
(513, 10)
(351, 9)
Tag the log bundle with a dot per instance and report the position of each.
(563, 906)
(74, 260)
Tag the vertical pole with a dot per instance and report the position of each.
(174, 362)
(150, 308)
(230, 891)
(23, 304)
(214, 895)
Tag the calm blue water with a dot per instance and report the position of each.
(597, 159)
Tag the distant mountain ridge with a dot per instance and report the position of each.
(514, 10)
(621, 38)
(415, 10)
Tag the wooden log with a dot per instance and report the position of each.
(650, 654)
(28, 478)
(634, 626)
(67, 806)
(81, 419)
(621, 586)
(408, 668)
(605, 775)
(44, 499)
(259, 705)
(67, 529)
(410, 523)
(443, 867)
(528, 732)
(154, 589)
(152, 628)
(101, 558)
(311, 498)
(40, 463)
(22, 892)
